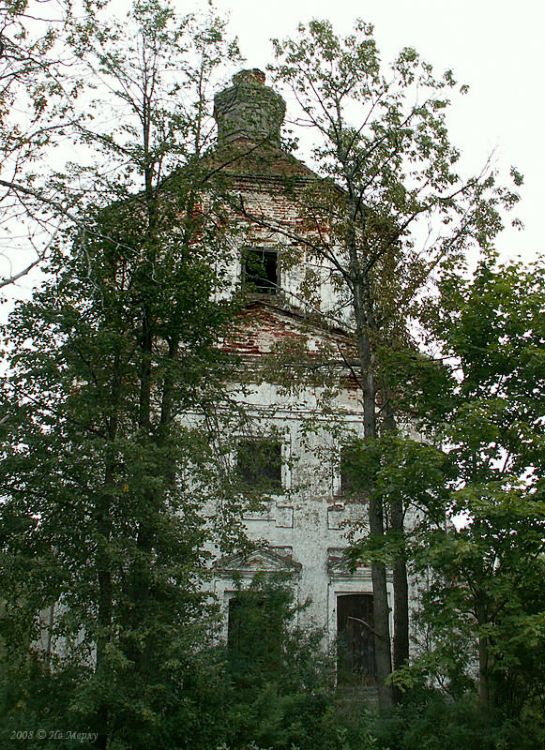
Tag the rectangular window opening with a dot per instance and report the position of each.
(259, 465)
(346, 482)
(355, 640)
(260, 270)
(349, 482)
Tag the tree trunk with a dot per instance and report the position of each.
(401, 614)
(485, 694)
(381, 609)
(401, 586)
(381, 614)
(105, 607)
(103, 560)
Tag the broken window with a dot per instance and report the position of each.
(259, 465)
(351, 483)
(346, 473)
(355, 640)
(260, 270)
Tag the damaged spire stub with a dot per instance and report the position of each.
(249, 109)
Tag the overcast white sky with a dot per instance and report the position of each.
(495, 46)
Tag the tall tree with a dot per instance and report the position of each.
(393, 208)
(491, 415)
(105, 520)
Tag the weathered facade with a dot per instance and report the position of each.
(291, 453)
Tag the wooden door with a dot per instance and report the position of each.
(355, 639)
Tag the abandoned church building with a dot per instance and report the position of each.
(291, 454)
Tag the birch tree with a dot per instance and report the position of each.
(392, 208)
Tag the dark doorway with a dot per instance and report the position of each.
(355, 640)
(255, 639)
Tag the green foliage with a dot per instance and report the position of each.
(485, 600)
(380, 135)
(270, 687)
(429, 719)
(392, 212)
(482, 619)
(394, 466)
(105, 487)
(281, 682)
(96, 515)
(433, 722)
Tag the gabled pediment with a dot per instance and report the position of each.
(262, 325)
(259, 561)
(338, 566)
